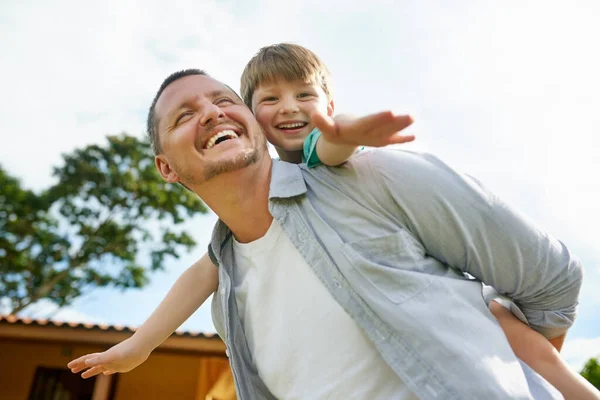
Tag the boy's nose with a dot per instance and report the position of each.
(289, 107)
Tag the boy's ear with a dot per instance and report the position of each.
(165, 169)
(330, 108)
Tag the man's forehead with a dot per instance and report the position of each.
(188, 88)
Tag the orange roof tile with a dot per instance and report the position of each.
(12, 319)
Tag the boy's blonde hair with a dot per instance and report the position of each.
(284, 61)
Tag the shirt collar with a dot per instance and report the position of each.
(286, 181)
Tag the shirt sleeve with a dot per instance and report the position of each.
(465, 226)
(309, 149)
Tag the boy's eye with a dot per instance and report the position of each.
(305, 94)
(269, 99)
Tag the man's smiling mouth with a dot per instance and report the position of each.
(220, 137)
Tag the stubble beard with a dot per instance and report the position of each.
(240, 162)
(221, 167)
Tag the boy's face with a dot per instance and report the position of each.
(283, 109)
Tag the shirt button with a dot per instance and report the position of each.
(222, 291)
(337, 283)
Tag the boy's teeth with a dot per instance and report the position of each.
(292, 126)
(229, 134)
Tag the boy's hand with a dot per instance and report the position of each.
(122, 357)
(375, 130)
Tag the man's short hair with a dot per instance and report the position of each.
(284, 61)
(152, 121)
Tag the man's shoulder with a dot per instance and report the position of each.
(385, 155)
(392, 160)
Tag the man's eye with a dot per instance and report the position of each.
(182, 116)
(223, 100)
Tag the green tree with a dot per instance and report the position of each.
(109, 220)
(591, 372)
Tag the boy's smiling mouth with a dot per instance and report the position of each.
(291, 127)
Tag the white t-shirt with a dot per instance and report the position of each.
(304, 345)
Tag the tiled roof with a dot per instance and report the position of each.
(12, 319)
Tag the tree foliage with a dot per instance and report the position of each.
(591, 372)
(108, 207)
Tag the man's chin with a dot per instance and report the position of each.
(237, 163)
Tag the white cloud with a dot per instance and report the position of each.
(507, 91)
(578, 351)
(530, 71)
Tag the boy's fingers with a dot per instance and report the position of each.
(80, 363)
(398, 139)
(92, 372)
(401, 122)
(324, 123)
(392, 128)
(94, 361)
(384, 123)
(377, 118)
(77, 369)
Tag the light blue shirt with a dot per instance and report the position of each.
(391, 235)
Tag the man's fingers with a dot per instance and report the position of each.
(92, 372)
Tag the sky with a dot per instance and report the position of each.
(505, 91)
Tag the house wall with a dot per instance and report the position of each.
(19, 360)
(165, 375)
(171, 376)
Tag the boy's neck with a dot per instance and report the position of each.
(291, 156)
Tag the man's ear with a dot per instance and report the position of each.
(165, 169)
(330, 108)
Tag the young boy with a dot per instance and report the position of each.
(288, 89)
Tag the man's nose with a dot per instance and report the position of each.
(289, 106)
(211, 113)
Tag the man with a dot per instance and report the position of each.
(349, 282)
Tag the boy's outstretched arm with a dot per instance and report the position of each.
(541, 355)
(341, 135)
(188, 293)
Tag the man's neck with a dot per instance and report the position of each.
(241, 200)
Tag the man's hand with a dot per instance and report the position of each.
(122, 357)
(375, 130)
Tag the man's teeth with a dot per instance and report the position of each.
(292, 126)
(228, 134)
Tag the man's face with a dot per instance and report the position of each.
(283, 110)
(204, 130)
